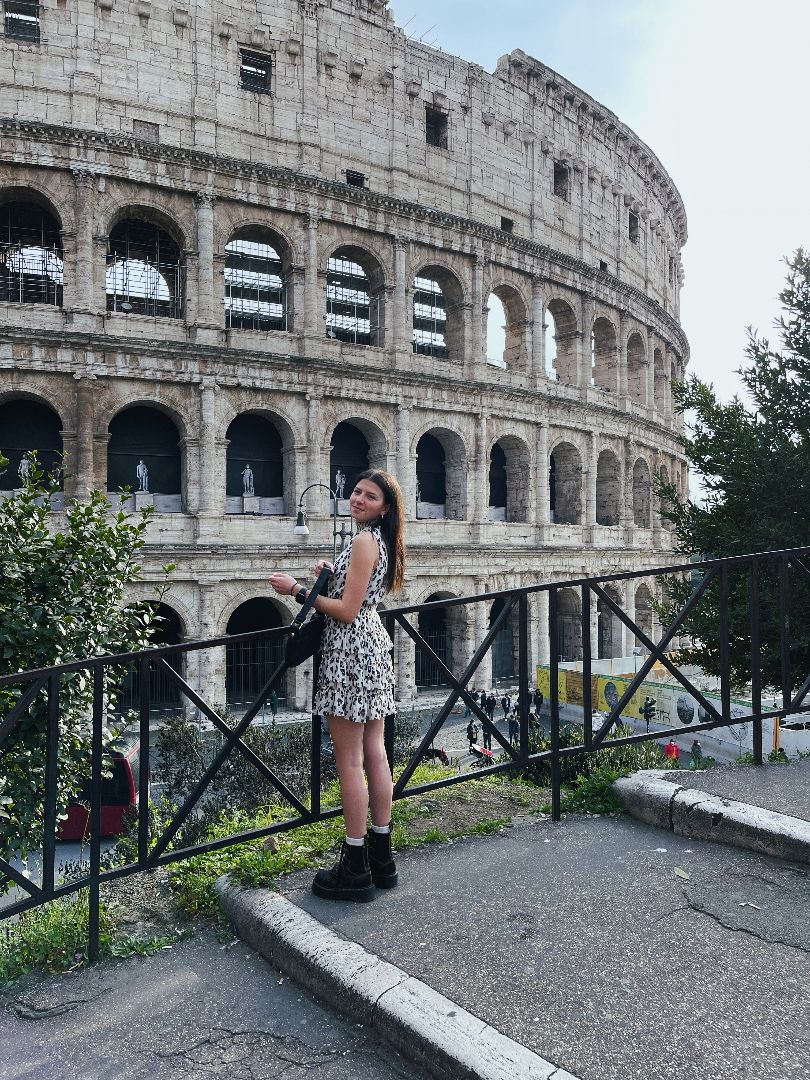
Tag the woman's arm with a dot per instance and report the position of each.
(362, 561)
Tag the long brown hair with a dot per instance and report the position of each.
(391, 526)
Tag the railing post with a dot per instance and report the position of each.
(95, 812)
(523, 664)
(756, 660)
(51, 762)
(725, 646)
(315, 746)
(587, 702)
(144, 704)
(784, 631)
(554, 702)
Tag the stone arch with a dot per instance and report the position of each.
(247, 663)
(565, 484)
(561, 339)
(144, 208)
(444, 630)
(604, 364)
(504, 649)
(509, 468)
(146, 435)
(644, 610)
(165, 697)
(146, 265)
(28, 424)
(661, 381)
(443, 468)
(506, 341)
(244, 219)
(609, 625)
(355, 296)
(256, 479)
(569, 625)
(356, 444)
(637, 368)
(608, 489)
(44, 196)
(437, 324)
(32, 267)
(642, 489)
(258, 279)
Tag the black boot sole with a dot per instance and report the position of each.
(386, 881)
(360, 896)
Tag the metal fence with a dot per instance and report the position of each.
(768, 582)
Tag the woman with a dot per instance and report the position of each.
(356, 683)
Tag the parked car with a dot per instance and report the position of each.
(119, 794)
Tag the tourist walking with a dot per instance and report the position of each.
(355, 688)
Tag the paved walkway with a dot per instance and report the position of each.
(783, 788)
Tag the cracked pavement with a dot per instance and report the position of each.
(617, 950)
(203, 1009)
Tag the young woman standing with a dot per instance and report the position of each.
(355, 688)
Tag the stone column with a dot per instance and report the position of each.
(207, 318)
(317, 499)
(83, 276)
(590, 483)
(628, 637)
(406, 471)
(480, 622)
(542, 492)
(400, 339)
(627, 518)
(314, 304)
(621, 357)
(538, 358)
(480, 495)
(211, 486)
(650, 369)
(404, 665)
(594, 624)
(210, 663)
(585, 365)
(542, 653)
(85, 469)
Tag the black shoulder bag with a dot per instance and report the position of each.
(304, 639)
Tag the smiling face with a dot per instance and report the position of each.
(367, 501)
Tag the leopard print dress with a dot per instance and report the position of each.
(356, 676)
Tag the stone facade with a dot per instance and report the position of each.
(206, 121)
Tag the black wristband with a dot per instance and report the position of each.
(301, 596)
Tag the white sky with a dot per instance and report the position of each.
(718, 90)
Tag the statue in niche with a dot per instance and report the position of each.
(25, 469)
(418, 490)
(247, 482)
(142, 474)
(340, 484)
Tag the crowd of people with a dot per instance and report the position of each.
(510, 704)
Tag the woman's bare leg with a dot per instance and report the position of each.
(380, 784)
(347, 740)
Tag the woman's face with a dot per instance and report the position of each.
(367, 501)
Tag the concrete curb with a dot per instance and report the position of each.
(424, 1026)
(701, 816)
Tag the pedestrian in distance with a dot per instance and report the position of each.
(505, 703)
(514, 727)
(467, 709)
(537, 698)
(472, 732)
(673, 752)
(695, 755)
(490, 706)
(355, 688)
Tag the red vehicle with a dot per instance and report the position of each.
(119, 795)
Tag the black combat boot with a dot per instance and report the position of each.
(381, 861)
(349, 878)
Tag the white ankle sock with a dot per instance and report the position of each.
(354, 841)
(381, 828)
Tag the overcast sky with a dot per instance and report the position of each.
(718, 90)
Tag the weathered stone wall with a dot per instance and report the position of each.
(350, 92)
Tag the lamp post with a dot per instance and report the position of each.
(302, 530)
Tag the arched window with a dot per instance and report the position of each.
(561, 354)
(255, 292)
(497, 483)
(254, 467)
(145, 271)
(31, 267)
(569, 625)
(610, 627)
(608, 489)
(144, 438)
(509, 465)
(348, 458)
(506, 324)
(429, 318)
(496, 332)
(353, 298)
(431, 486)
(603, 349)
(434, 626)
(565, 484)
(644, 611)
(248, 664)
(637, 369)
(504, 661)
(641, 494)
(165, 697)
(661, 382)
(28, 427)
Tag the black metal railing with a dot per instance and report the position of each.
(155, 845)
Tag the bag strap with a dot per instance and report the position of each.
(312, 595)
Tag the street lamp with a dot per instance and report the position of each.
(301, 529)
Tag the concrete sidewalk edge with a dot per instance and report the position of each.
(700, 815)
(423, 1025)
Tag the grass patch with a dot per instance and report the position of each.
(52, 937)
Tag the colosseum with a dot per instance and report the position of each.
(250, 248)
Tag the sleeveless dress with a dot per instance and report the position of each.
(356, 675)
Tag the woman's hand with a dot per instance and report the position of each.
(322, 565)
(283, 583)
